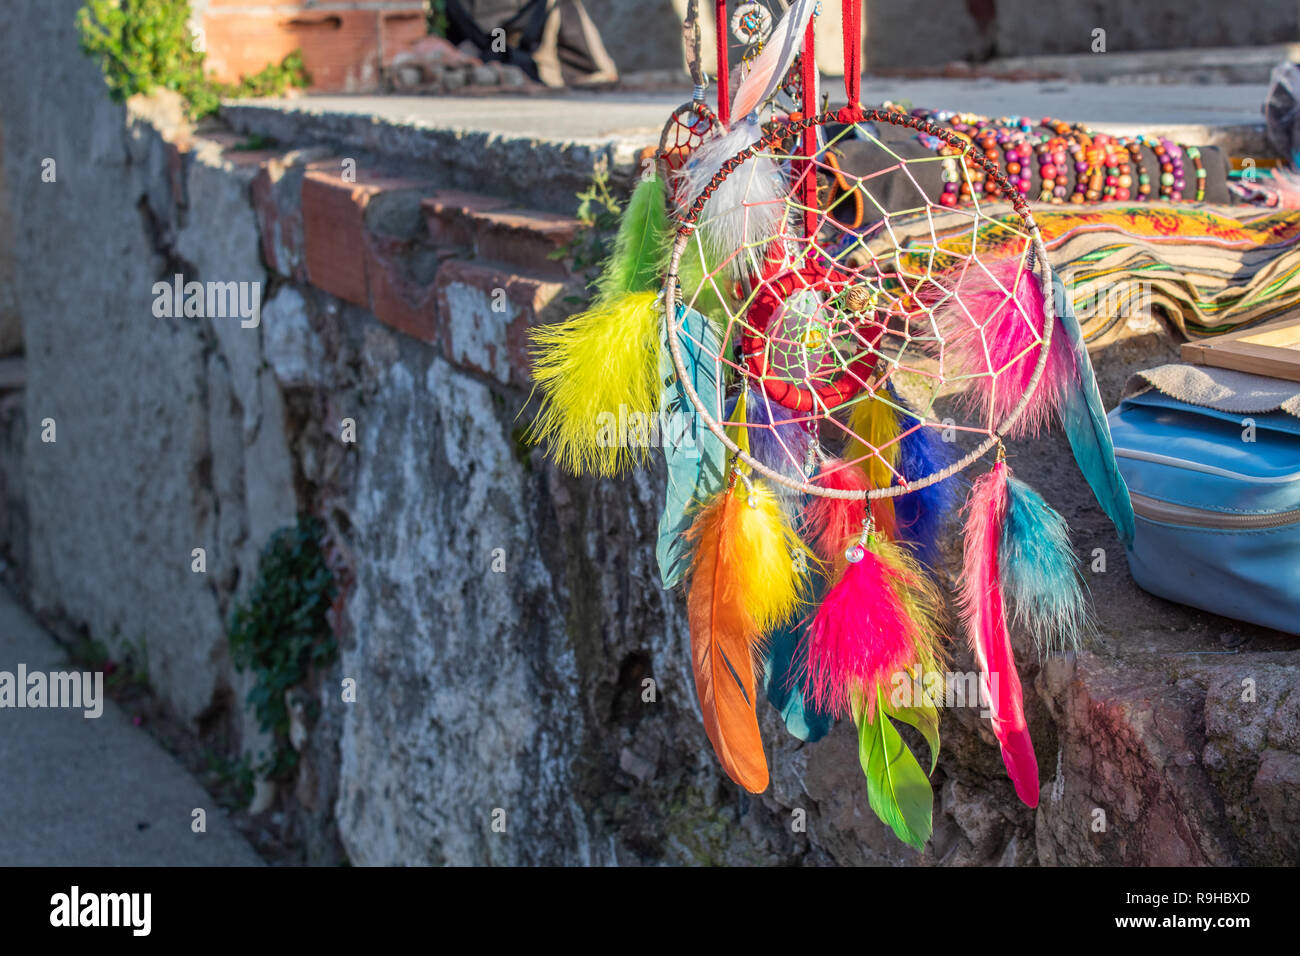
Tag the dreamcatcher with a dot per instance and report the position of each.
(786, 352)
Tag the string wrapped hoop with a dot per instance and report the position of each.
(828, 314)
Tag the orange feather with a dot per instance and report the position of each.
(723, 640)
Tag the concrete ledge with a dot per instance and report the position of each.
(500, 616)
(1232, 64)
(511, 158)
(538, 152)
(461, 271)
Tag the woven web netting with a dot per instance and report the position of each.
(690, 125)
(828, 291)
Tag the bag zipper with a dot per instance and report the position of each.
(1156, 510)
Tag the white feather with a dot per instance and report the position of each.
(769, 68)
(746, 211)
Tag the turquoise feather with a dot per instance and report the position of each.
(696, 458)
(783, 678)
(1040, 572)
(1083, 417)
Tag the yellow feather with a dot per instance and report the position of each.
(738, 432)
(876, 422)
(766, 574)
(598, 373)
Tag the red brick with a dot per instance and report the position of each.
(521, 238)
(332, 212)
(476, 337)
(346, 260)
(340, 45)
(525, 239)
(395, 300)
(449, 214)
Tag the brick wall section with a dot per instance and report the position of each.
(491, 311)
(341, 42)
(465, 273)
(332, 211)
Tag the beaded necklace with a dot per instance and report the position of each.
(1106, 168)
(1194, 155)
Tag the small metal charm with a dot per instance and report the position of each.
(751, 23)
(859, 551)
(752, 497)
(810, 458)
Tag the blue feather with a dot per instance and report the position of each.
(922, 515)
(783, 677)
(1040, 571)
(1083, 416)
(696, 458)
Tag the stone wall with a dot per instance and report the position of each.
(499, 617)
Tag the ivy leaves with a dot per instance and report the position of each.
(282, 632)
(148, 44)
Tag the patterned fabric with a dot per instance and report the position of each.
(1209, 269)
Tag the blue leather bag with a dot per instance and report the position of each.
(1218, 515)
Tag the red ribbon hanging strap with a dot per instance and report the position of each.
(808, 147)
(852, 16)
(724, 97)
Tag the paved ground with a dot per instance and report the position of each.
(1184, 112)
(94, 792)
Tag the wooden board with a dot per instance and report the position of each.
(1272, 349)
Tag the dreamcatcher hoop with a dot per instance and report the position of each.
(778, 132)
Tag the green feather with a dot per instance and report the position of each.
(643, 235)
(924, 718)
(710, 296)
(897, 788)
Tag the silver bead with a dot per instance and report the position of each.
(855, 554)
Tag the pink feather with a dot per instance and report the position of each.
(1287, 185)
(861, 636)
(829, 523)
(992, 327)
(986, 627)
